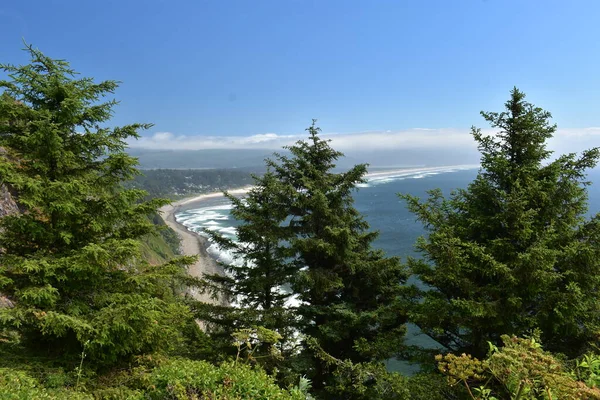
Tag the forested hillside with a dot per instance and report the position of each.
(176, 183)
(244, 159)
(92, 308)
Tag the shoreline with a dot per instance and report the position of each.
(189, 202)
(194, 244)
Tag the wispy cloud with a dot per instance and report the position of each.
(372, 140)
(565, 140)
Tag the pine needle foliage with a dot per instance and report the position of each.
(513, 251)
(300, 232)
(254, 281)
(351, 297)
(71, 262)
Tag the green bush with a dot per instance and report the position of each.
(118, 393)
(17, 385)
(431, 386)
(186, 379)
(520, 369)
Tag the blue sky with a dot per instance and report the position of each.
(242, 68)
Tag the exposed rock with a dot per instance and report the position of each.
(5, 302)
(8, 206)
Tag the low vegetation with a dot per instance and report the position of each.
(177, 183)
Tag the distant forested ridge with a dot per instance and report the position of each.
(174, 183)
(200, 159)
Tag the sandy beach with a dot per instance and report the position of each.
(192, 244)
(188, 202)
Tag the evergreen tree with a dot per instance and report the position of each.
(512, 252)
(351, 295)
(70, 263)
(254, 281)
(299, 229)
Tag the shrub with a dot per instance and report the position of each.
(18, 385)
(186, 379)
(521, 369)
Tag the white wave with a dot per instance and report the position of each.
(209, 212)
(212, 218)
(210, 223)
(415, 173)
(227, 206)
(215, 251)
(387, 180)
(425, 175)
(205, 220)
(229, 231)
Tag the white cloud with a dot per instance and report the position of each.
(374, 140)
(162, 136)
(565, 140)
(407, 139)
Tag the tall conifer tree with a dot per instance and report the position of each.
(513, 252)
(70, 263)
(299, 229)
(255, 281)
(352, 301)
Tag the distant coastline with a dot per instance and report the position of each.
(194, 244)
(192, 201)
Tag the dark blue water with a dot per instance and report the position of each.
(387, 213)
(398, 228)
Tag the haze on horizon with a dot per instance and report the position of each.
(416, 147)
(391, 83)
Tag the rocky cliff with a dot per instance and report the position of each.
(8, 206)
(7, 203)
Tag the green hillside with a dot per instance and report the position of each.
(158, 248)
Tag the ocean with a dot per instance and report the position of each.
(377, 200)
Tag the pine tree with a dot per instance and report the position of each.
(352, 301)
(255, 281)
(512, 252)
(299, 229)
(70, 263)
